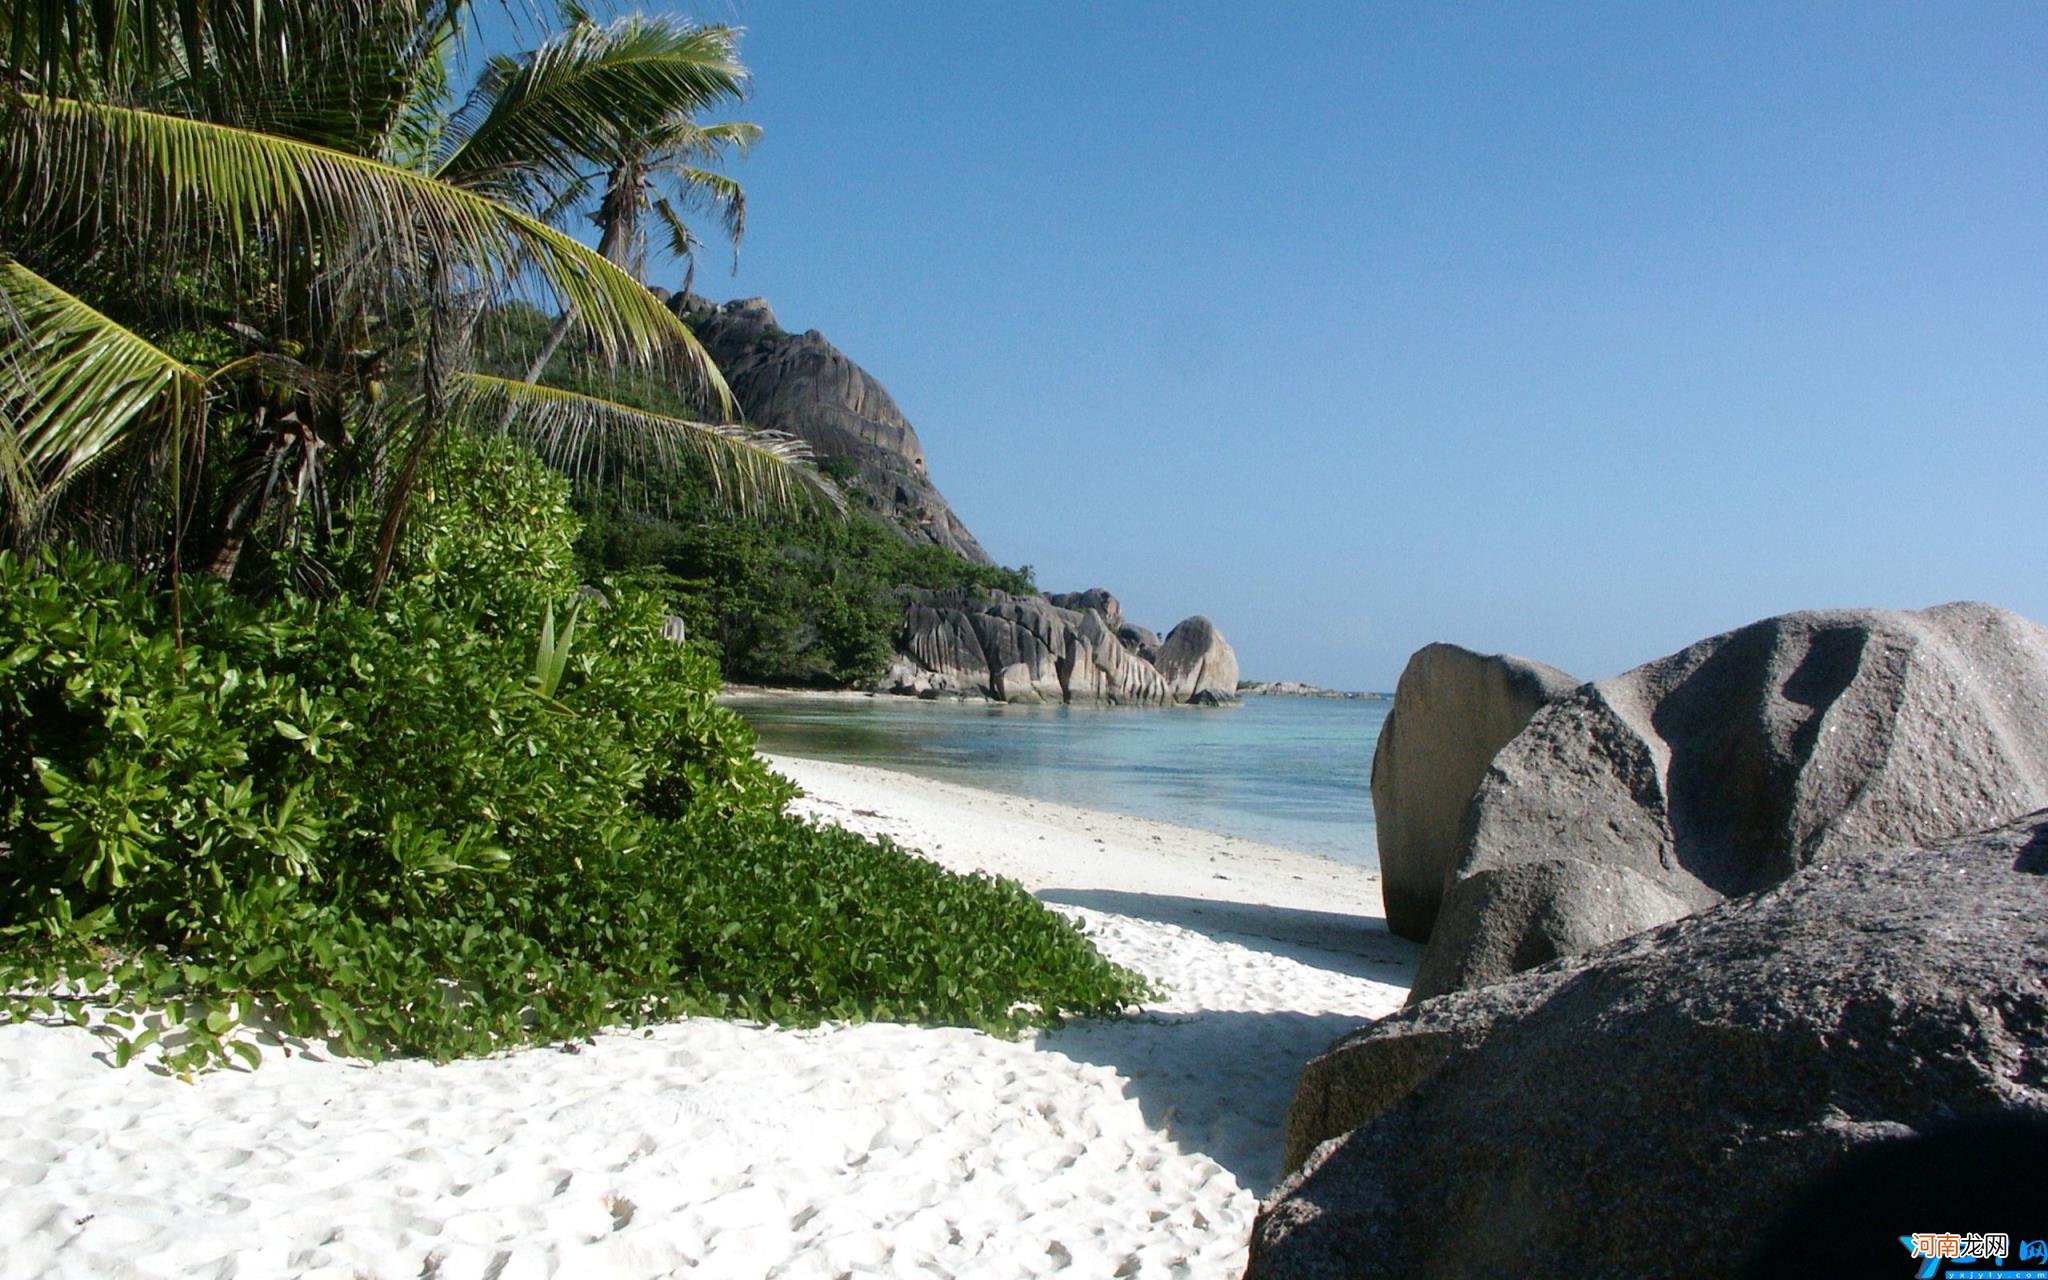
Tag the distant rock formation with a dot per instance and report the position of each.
(1650, 1108)
(1453, 709)
(1296, 689)
(1060, 648)
(1729, 766)
(802, 384)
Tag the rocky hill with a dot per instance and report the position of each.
(1073, 647)
(802, 384)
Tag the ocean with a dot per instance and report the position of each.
(1286, 771)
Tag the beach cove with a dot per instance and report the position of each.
(1279, 771)
(1134, 1146)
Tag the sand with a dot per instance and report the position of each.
(1132, 1147)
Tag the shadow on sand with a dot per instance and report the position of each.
(1354, 945)
(1217, 1082)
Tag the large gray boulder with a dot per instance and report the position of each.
(1100, 668)
(1453, 709)
(1502, 920)
(1647, 1108)
(1142, 641)
(1726, 767)
(985, 643)
(1198, 663)
(801, 384)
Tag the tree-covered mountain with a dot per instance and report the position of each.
(786, 596)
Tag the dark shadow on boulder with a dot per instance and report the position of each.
(1741, 730)
(2033, 856)
(1983, 1176)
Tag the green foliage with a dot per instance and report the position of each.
(384, 827)
(784, 597)
(551, 659)
(786, 601)
(289, 183)
(490, 533)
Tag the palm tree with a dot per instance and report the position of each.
(254, 222)
(643, 167)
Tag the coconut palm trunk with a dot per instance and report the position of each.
(615, 244)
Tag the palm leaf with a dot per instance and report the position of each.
(685, 137)
(682, 242)
(74, 385)
(336, 72)
(169, 177)
(582, 435)
(704, 189)
(539, 118)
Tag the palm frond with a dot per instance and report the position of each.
(75, 385)
(715, 193)
(682, 242)
(537, 119)
(566, 198)
(683, 138)
(335, 73)
(162, 176)
(584, 435)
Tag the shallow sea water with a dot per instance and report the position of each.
(1292, 772)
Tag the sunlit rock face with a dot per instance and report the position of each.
(1728, 766)
(801, 384)
(1453, 709)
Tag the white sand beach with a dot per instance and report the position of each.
(1133, 1147)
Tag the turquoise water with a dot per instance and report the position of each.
(1286, 771)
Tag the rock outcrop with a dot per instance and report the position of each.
(803, 385)
(1725, 768)
(1075, 647)
(1453, 709)
(1199, 665)
(1500, 921)
(1096, 598)
(1647, 1108)
(1062, 648)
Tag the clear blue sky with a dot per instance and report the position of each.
(1578, 331)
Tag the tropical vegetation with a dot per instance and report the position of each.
(778, 600)
(303, 717)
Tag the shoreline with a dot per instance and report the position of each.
(1133, 1145)
(1055, 849)
(783, 693)
(1249, 772)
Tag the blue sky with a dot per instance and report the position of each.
(1578, 331)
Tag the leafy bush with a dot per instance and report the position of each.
(783, 600)
(489, 535)
(374, 825)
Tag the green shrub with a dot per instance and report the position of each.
(373, 825)
(489, 534)
(782, 600)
